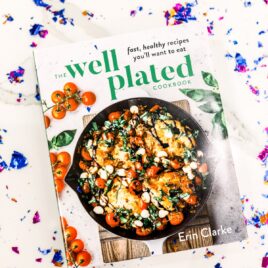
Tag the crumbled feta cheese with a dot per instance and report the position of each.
(145, 214)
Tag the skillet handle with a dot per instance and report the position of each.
(155, 246)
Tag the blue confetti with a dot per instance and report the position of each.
(57, 259)
(44, 251)
(18, 161)
(3, 164)
(89, 109)
(247, 4)
(260, 44)
(37, 30)
(40, 3)
(218, 265)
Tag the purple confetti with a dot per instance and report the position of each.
(36, 217)
(210, 28)
(263, 155)
(33, 45)
(38, 260)
(254, 90)
(133, 13)
(16, 75)
(16, 250)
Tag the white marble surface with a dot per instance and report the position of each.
(33, 187)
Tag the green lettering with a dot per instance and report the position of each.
(115, 86)
(77, 68)
(165, 72)
(93, 65)
(188, 68)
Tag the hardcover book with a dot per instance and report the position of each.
(138, 146)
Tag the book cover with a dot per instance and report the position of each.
(139, 146)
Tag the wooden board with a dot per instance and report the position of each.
(116, 248)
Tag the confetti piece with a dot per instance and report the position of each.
(208, 254)
(8, 18)
(218, 265)
(263, 155)
(18, 160)
(15, 250)
(210, 28)
(88, 109)
(40, 3)
(36, 218)
(57, 259)
(44, 251)
(16, 75)
(241, 63)
(38, 260)
(33, 44)
(179, 14)
(37, 30)
(88, 13)
(247, 3)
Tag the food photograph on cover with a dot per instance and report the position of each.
(148, 161)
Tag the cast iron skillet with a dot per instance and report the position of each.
(202, 144)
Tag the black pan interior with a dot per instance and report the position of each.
(179, 114)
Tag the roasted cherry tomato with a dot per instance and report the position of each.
(154, 108)
(132, 174)
(198, 181)
(161, 224)
(112, 220)
(175, 218)
(53, 158)
(127, 115)
(64, 158)
(141, 231)
(135, 186)
(152, 171)
(175, 164)
(58, 112)
(47, 121)
(114, 116)
(64, 222)
(70, 89)
(59, 185)
(76, 246)
(83, 258)
(57, 96)
(110, 136)
(88, 98)
(143, 205)
(86, 187)
(192, 200)
(71, 104)
(60, 172)
(203, 168)
(83, 165)
(85, 154)
(70, 233)
(100, 183)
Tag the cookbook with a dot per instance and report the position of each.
(138, 146)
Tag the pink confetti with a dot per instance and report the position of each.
(36, 217)
(16, 250)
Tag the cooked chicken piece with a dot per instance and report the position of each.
(120, 197)
(102, 152)
(177, 142)
(163, 183)
(152, 144)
